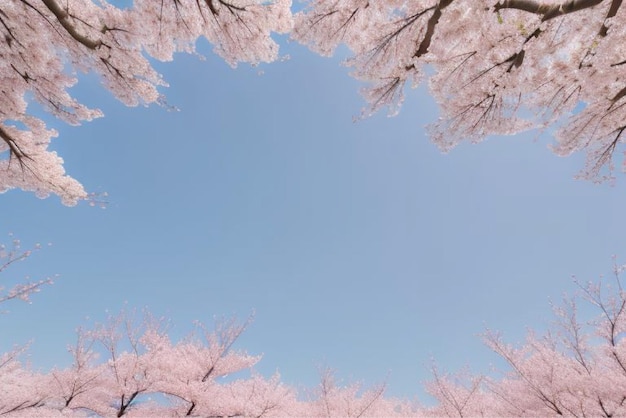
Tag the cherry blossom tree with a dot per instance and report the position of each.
(495, 67)
(498, 67)
(128, 368)
(132, 368)
(123, 368)
(45, 42)
(576, 369)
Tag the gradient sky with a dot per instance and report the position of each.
(357, 245)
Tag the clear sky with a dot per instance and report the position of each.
(357, 245)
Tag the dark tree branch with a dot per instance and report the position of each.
(15, 151)
(124, 405)
(430, 28)
(63, 18)
(615, 5)
(547, 11)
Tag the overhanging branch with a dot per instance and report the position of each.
(15, 150)
(547, 11)
(63, 18)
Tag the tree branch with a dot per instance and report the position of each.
(615, 5)
(63, 18)
(14, 149)
(547, 11)
(430, 28)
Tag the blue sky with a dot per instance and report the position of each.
(358, 246)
